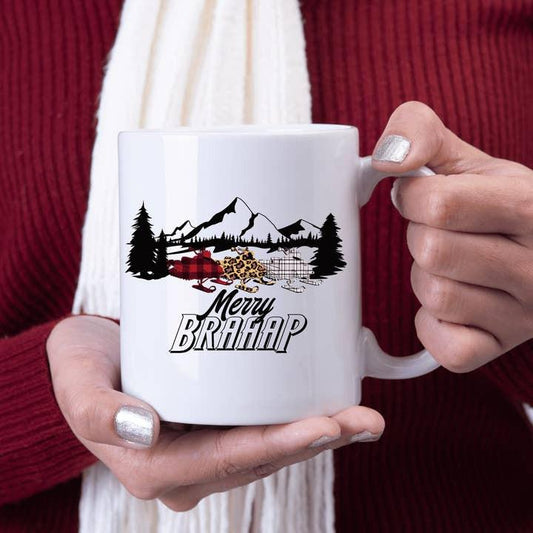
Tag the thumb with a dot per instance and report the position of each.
(83, 352)
(416, 136)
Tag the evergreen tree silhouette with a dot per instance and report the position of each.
(269, 239)
(328, 258)
(142, 252)
(160, 264)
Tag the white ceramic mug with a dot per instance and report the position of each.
(240, 273)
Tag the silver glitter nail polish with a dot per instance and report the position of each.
(392, 149)
(135, 425)
(364, 436)
(322, 441)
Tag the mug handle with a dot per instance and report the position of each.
(379, 364)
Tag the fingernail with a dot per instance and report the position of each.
(394, 194)
(392, 149)
(365, 436)
(135, 425)
(322, 441)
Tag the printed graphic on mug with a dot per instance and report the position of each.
(237, 245)
(244, 249)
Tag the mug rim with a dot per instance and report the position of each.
(248, 129)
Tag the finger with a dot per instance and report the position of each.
(491, 310)
(487, 260)
(468, 202)
(185, 498)
(211, 455)
(456, 347)
(422, 139)
(84, 363)
(357, 423)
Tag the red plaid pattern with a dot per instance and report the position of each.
(201, 266)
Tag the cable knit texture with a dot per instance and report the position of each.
(456, 454)
(202, 63)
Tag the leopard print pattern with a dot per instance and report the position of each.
(244, 267)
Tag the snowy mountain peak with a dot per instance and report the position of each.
(182, 229)
(238, 223)
(230, 221)
(300, 228)
(260, 228)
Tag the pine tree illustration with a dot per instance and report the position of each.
(160, 264)
(328, 258)
(142, 252)
(269, 239)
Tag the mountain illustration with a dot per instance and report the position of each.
(238, 225)
(181, 230)
(260, 228)
(300, 228)
(239, 233)
(236, 219)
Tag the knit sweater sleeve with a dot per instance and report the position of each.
(37, 448)
(513, 373)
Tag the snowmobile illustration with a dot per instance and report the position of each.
(291, 269)
(243, 268)
(201, 267)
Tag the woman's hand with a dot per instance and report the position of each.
(179, 467)
(471, 237)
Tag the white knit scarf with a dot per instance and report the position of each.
(195, 63)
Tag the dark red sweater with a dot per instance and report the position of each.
(457, 452)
